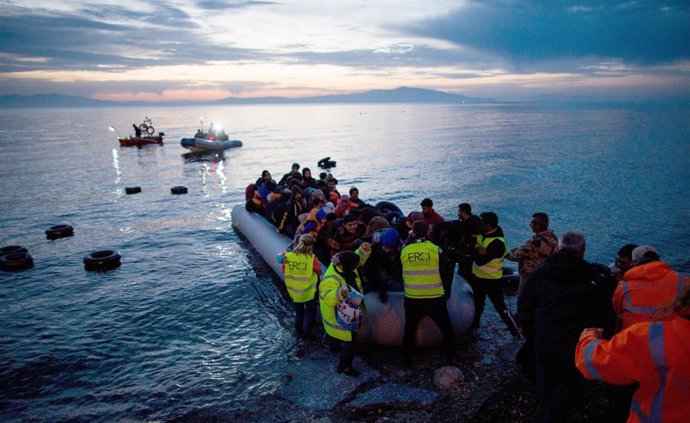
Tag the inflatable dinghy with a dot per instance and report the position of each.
(384, 323)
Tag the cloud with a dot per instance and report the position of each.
(642, 32)
(224, 5)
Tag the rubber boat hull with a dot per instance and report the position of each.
(384, 323)
(139, 141)
(202, 145)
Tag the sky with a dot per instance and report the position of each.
(211, 49)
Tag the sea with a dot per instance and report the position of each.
(193, 322)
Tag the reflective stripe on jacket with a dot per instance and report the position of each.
(654, 354)
(494, 268)
(645, 289)
(300, 279)
(421, 277)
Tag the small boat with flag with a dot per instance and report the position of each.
(143, 135)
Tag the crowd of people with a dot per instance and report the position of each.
(627, 325)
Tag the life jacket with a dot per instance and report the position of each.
(644, 289)
(421, 277)
(494, 268)
(300, 278)
(311, 217)
(653, 354)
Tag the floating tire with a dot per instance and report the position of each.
(16, 262)
(9, 249)
(59, 231)
(385, 207)
(178, 190)
(103, 260)
(132, 190)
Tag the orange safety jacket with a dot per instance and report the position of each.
(645, 289)
(654, 354)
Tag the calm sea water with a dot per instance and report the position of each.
(191, 320)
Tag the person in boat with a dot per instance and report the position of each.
(624, 261)
(302, 271)
(354, 198)
(262, 188)
(423, 267)
(344, 206)
(137, 131)
(340, 281)
(430, 216)
(199, 134)
(221, 135)
(332, 194)
(293, 173)
(405, 230)
(383, 271)
(307, 180)
(289, 219)
(345, 234)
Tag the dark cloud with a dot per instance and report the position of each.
(165, 36)
(642, 32)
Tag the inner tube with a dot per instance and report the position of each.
(132, 190)
(59, 231)
(178, 189)
(9, 249)
(394, 218)
(16, 262)
(385, 207)
(102, 260)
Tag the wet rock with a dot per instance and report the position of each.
(448, 377)
(394, 396)
(315, 385)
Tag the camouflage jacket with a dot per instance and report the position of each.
(533, 253)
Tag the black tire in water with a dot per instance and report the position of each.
(178, 190)
(9, 249)
(101, 261)
(132, 190)
(59, 231)
(16, 262)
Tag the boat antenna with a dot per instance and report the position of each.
(201, 120)
(112, 128)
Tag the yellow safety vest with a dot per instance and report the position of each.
(494, 268)
(329, 298)
(300, 279)
(421, 276)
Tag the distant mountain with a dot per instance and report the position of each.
(51, 100)
(398, 95)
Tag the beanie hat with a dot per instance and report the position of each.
(348, 260)
(321, 214)
(415, 216)
(390, 238)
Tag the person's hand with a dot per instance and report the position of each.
(596, 332)
(481, 250)
(366, 247)
(344, 292)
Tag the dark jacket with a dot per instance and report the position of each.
(561, 298)
(381, 268)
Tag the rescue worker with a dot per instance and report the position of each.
(537, 249)
(487, 271)
(333, 289)
(649, 285)
(302, 271)
(422, 269)
(653, 354)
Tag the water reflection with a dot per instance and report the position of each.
(116, 165)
